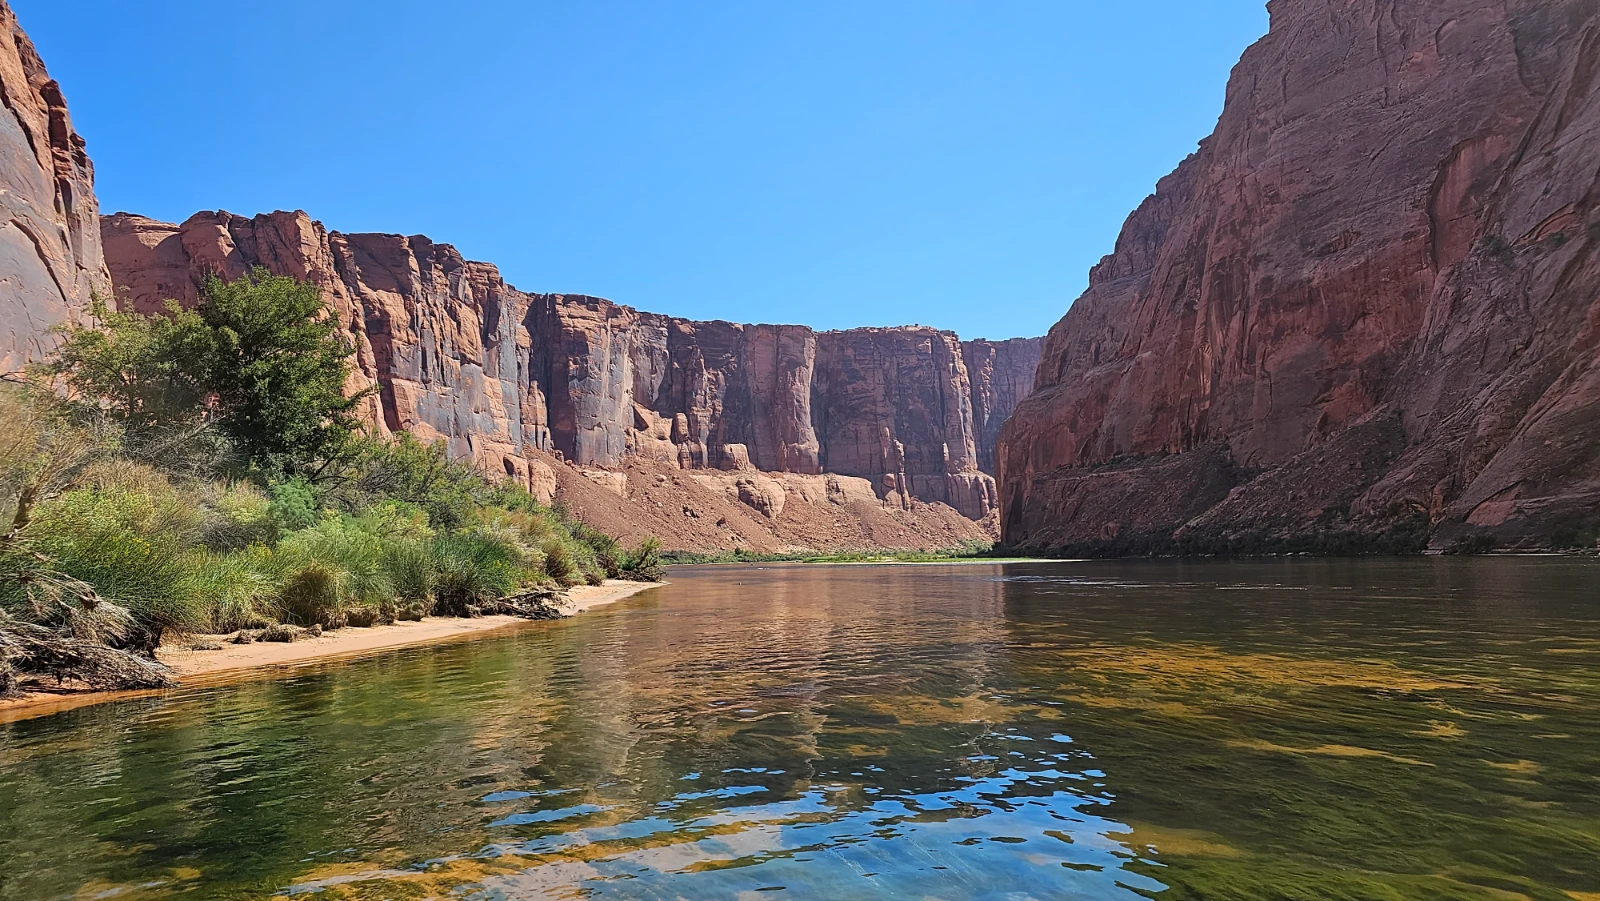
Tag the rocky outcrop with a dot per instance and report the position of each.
(502, 375)
(1365, 315)
(50, 260)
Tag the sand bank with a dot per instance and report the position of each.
(194, 667)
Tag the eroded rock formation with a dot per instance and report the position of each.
(50, 260)
(504, 376)
(1365, 315)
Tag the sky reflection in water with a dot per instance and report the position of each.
(1366, 729)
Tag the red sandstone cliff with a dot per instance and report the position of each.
(856, 434)
(506, 377)
(1365, 314)
(1002, 375)
(50, 261)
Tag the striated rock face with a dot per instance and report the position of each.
(1002, 375)
(503, 375)
(895, 406)
(50, 260)
(1365, 315)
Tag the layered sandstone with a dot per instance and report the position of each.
(50, 259)
(507, 377)
(1365, 315)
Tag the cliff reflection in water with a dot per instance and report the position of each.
(1106, 730)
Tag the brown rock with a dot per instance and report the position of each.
(462, 357)
(761, 494)
(706, 510)
(614, 482)
(897, 410)
(542, 482)
(1002, 375)
(50, 255)
(1369, 297)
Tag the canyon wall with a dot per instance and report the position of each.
(50, 260)
(505, 376)
(709, 435)
(1002, 375)
(1364, 316)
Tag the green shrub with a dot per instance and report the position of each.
(237, 516)
(294, 505)
(274, 367)
(417, 474)
(233, 590)
(608, 557)
(338, 564)
(131, 548)
(644, 564)
(256, 362)
(473, 567)
(558, 563)
(411, 569)
(139, 369)
(310, 595)
(395, 521)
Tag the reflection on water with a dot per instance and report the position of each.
(1295, 729)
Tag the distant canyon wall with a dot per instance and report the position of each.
(50, 259)
(1002, 374)
(1365, 315)
(458, 355)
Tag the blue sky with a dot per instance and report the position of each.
(839, 164)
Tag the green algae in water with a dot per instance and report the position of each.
(1297, 729)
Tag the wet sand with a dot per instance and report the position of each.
(193, 667)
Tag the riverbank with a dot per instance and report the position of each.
(972, 553)
(203, 667)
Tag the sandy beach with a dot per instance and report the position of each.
(233, 661)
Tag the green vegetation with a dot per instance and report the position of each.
(257, 366)
(207, 475)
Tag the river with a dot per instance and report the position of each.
(1309, 729)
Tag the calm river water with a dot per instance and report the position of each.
(1420, 729)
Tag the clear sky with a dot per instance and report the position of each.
(831, 162)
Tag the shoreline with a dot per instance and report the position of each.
(234, 662)
(954, 561)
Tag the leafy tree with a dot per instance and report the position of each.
(258, 360)
(276, 370)
(142, 370)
